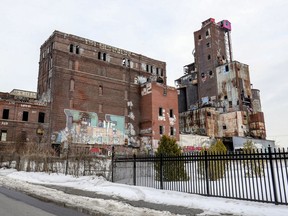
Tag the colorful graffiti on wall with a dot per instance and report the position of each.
(87, 128)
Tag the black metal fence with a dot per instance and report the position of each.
(257, 176)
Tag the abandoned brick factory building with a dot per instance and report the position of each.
(97, 95)
(94, 94)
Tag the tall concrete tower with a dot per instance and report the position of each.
(212, 48)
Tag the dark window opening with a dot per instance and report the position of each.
(208, 44)
(225, 97)
(171, 113)
(71, 48)
(41, 117)
(224, 127)
(5, 114)
(210, 73)
(199, 37)
(147, 68)
(99, 55)
(104, 56)
(157, 71)
(208, 113)
(202, 75)
(162, 74)
(209, 57)
(207, 33)
(226, 67)
(151, 69)
(161, 129)
(230, 104)
(77, 49)
(160, 111)
(172, 131)
(25, 116)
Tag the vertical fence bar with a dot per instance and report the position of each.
(134, 169)
(206, 174)
(112, 164)
(273, 175)
(161, 171)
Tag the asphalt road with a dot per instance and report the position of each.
(14, 203)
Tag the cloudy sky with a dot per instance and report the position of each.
(161, 29)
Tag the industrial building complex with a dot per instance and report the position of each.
(95, 95)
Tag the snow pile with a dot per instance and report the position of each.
(211, 206)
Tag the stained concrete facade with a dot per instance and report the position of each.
(215, 95)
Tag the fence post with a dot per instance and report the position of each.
(273, 175)
(161, 171)
(206, 173)
(134, 169)
(112, 164)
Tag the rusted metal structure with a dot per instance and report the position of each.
(216, 98)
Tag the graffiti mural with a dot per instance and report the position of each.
(87, 128)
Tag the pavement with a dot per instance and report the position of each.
(141, 204)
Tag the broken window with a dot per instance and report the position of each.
(5, 114)
(210, 73)
(41, 117)
(207, 32)
(99, 55)
(225, 97)
(199, 37)
(224, 127)
(147, 68)
(202, 74)
(209, 57)
(3, 135)
(104, 56)
(160, 111)
(25, 116)
(208, 45)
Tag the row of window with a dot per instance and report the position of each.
(172, 131)
(125, 62)
(25, 115)
(161, 112)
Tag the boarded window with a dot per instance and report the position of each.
(41, 117)
(5, 114)
(25, 116)
(3, 135)
(100, 90)
(72, 85)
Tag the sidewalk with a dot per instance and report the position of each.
(141, 204)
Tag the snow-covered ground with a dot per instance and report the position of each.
(28, 182)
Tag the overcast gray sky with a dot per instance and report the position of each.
(161, 29)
